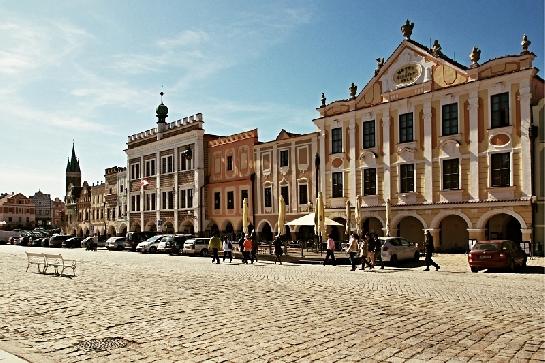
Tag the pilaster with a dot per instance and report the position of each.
(525, 123)
(158, 173)
(428, 155)
(352, 153)
(386, 194)
(176, 168)
(293, 193)
(474, 145)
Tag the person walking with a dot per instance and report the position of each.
(247, 249)
(352, 250)
(241, 248)
(377, 249)
(429, 251)
(364, 251)
(214, 245)
(227, 250)
(278, 250)
(330, 246)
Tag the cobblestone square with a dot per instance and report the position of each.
(173, 309)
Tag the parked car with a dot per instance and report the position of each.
(500, 254)
(57, 240)
(196, 246)
(116, 243)
(149, 245)
(37, 242)
(6, 236)
(85, 241)
(134, 238)
(173, 245)
(71, 242)
(395, 249)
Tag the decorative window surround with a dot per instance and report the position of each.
(451, 195)
(501, 193)
(369, 200)
(407, 198)
(496, 88)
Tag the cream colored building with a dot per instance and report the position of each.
(539, 175)
(284, 166)
(446, 143)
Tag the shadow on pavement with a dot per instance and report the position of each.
(536, 270)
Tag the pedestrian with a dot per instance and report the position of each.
(241, 248)
(278, 250)
(429, 252)
(378, 250)
(330, 247)
(248, 249)
(352, 250)
(254, 247)
(214, 245)
(227, 250)
(94, 244)
(364, 251)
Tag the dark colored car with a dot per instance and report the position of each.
(173, 245)
(496, 254)
(134, 238)
(72, 242)
(56, 241)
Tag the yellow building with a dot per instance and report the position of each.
(447, 144)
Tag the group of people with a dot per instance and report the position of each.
(368, 249)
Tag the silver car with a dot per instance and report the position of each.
(150, 245)
(196, 246)
(116, 243)
(396, 249)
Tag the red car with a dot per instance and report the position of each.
(500, 254)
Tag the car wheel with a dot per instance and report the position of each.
(153, 249)
(474, 269)
(393, 260)
(204, 252)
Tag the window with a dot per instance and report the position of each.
(230, 162)
(303, 194)
(182, 198)
(407, 178)
(501, 173)
(230, 200)
(167, 164)
(451, 174)
(167, 200)
(337, 140)
(243, 195)
(185, 164)
(135, 171)
(217, 200)
(285, 193)
(190, 198)
(370, 181)
(449, 117)
(337, 182)
(268, 197)
(406, 127)
(150, 201)
(500, 110)
(369, 134)
(284, 158)
(150, 168)
(135, 203)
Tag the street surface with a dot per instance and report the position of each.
(159, 308)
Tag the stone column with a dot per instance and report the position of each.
(474, 145)
(428, 154)
(387, 194)
(525, 122)
(352, 192)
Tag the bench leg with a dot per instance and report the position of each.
(27, 266)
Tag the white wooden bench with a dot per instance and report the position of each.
(37, 259)
(58, 262)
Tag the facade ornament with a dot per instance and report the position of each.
(380, 63)
(525, 43)
(436, 48)
(323, 100)
(407, 29)
(353, 89)
(474, 56)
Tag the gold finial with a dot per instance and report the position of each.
(380, 63)
(436, 48)
(353, 89)
(525, 43)
(323, 100)
(407, 29)
(474, 56)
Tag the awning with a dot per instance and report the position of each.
(308, 220)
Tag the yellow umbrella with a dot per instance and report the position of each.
(357, 215)
(245, 219)
(348, 217)
(281, 216)
(321, 215)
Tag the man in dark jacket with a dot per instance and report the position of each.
(241, 248)
(429, 252)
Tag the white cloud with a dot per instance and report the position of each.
(184, 39)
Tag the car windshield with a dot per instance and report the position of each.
(190, 241)
(153, 239)
(485, 246)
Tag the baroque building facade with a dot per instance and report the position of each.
(43, 209)
(17, 211)
(166, 170)
(445, 144)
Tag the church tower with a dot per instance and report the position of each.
(73, 172)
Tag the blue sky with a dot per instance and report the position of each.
(91, 71)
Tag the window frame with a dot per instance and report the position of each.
(448, 179)
(150, 168)
(267, 196)
(366, 134)
(403, 131)
(366, 179)
(502, 169)
(337, 188)
(283, 188)
(299, 194)
(499, 123)
(217, 200)
(230, 200)
(229, 163)
(284, 158)
(167, 167)
(449, 123)
(135, 171)
(336, 140)
(403, 187)
(242, 196)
